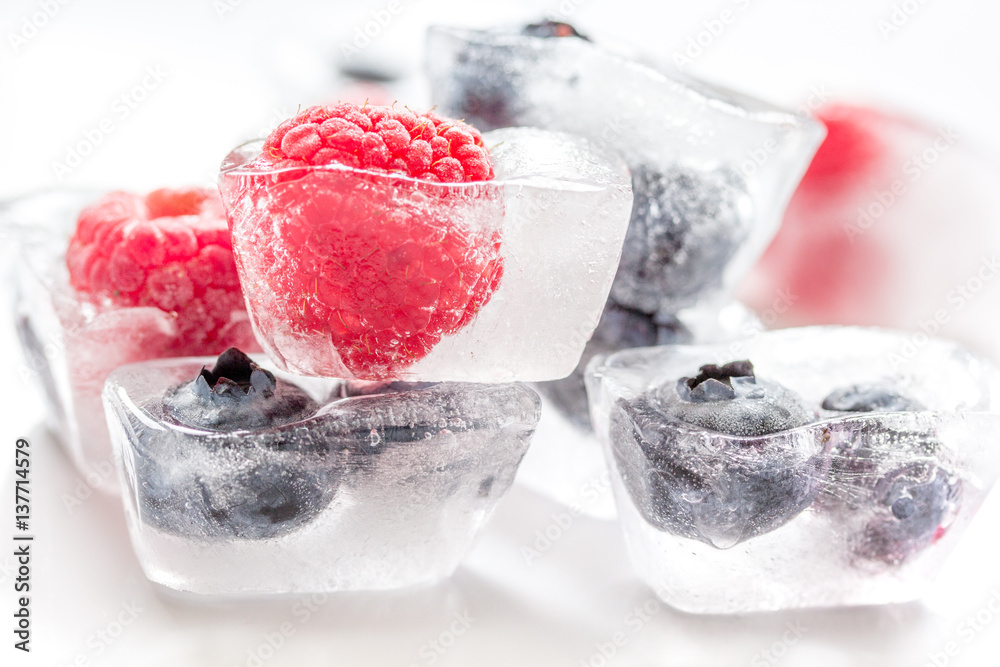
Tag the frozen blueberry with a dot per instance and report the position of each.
(488, 78)
(889, 472)
(237, 394)
(686, 225)
(258, 472)
(719, 490)
(916, 504)
(870, 398)
(396, 414)
(619, 328)
(730, 399)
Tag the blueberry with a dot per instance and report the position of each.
(250, 485)
(870, 398)
(237, 394)
(686, 225)
(730, 399)
(888, 473)
(384, 416)
(487, 80)
(258, 473)
(619, 328)
(686, 479)
(914, 504)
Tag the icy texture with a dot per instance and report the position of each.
(561, 208)
(372, 487)
(566, 462)
(712, 171)
(71, 343)
(744, 494)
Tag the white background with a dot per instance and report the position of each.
(230, 70)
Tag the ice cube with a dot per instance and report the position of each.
(566, 462)
(829, 466)
(347, 486)
(72, 341)
(712, 170)
(537, 249)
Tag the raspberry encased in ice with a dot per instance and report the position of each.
(425, 146)
(169, 250)
(382, 243)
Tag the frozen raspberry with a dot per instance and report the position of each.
(424, 146)
(849, 153)
(384, 293)
(170, 250)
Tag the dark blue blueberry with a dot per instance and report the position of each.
(261, 474)
(719, 490)
(890, 472)
(914, 504)
(870, 398)
(486, 82)
(686, 225)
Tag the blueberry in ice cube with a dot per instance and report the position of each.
(731, 399)
(686, 225)
(870, 398)
(916, 503)
(384, 416)
(619, 328)
(703, 458)
(891, 472)
(488, 76)
(237, 394)
(257, 470)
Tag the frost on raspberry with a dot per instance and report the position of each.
(382, 260)
(169, 250)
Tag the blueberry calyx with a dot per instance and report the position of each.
(715, 383)
(237, 394)
(234, 374)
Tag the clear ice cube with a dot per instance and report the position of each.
(566, 462)
(558, 208)
(841, 469)
(712, 170)
(350, 486)
(70, 342)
